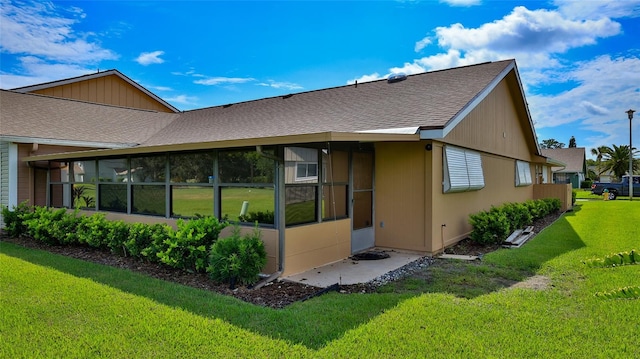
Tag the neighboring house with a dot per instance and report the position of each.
(398, 163)
(606, 176)
(575, 169)
(107, 87)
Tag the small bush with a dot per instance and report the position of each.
(237, 259)
(41, 224)
(517, 214)
(188, 247)
(14, 219)
(148, 240)
(586, 184)
(490, 227)
(495, 225)
(117, 235)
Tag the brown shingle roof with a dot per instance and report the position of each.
(427, 100)
(36, 116)
(574, 157)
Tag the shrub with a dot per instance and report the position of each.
(14, 219)
(41, 224)
(495, 225)
(237, 259)
(188, 247)
(147, 240)
(490, 227)
(117, 234)
(517, 214)
(94, 230)
(63, 228)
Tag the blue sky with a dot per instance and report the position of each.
(579, 60)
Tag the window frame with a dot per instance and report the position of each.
(463, 171)
(523, 174)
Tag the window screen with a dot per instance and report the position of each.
(523, 174)
(462, 170)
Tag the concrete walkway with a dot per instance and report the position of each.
(349, 271)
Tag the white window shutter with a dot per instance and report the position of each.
(462, 170)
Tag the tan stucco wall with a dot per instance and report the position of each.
(402, 202)
(111, 90)
(313, 245)
(453, 209)
(411, 208)
(498, 126)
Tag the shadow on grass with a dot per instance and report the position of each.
(316, 322)
(500, 269)
(313, 323)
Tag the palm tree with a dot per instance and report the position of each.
(600, 152)
(617, 160)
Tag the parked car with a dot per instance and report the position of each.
(616, 189)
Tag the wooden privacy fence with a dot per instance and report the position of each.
(559, 191)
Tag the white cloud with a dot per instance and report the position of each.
(464, 3)
(46, 31)
(38, 71)
(281, 85)
(611, 85)
(366, 78)
(533, 37)
(148, 58)
(596, 9)
(160, 88)
(213, 81)
(182, 99)
(422, 44)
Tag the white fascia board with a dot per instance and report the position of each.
(436, 134)
(400, 130)
(73, 143)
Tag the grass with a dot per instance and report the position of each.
(52, 306)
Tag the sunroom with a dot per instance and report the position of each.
(313, 201)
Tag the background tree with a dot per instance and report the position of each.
(572, 142)
(616, 160)
(551, 144)
(600, 152)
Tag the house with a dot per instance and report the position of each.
(575, 169)
(398, 163)
(605, 176)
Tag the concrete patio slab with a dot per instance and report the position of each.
(349, 271)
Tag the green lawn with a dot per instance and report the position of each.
(52, 306)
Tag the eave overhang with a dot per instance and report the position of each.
(320, 137)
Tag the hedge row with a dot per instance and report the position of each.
(194, 246)
(495, 225)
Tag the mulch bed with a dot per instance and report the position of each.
(277, 294)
